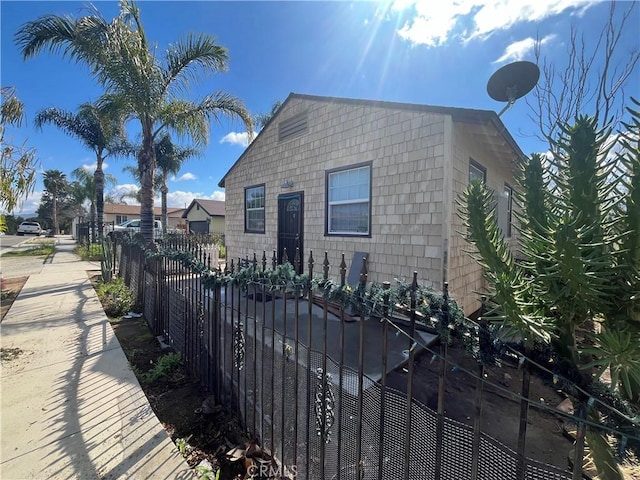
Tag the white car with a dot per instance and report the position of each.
(133, 226)
(32, 228)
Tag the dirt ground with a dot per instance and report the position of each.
(185, 411)
(10, 289)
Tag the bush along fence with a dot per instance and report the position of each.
(304, 360)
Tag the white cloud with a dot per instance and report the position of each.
(91, 167)
(176, 199)
(522, 49)
(125, 193)
(29, 205)
(185, 176)
(236, 138)
(180, 199)
(434, 24)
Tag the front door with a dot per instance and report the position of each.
(290, 222)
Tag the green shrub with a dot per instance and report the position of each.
(116, 297)
(168, 366)
(223, 251)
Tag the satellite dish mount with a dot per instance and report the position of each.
(512, 82)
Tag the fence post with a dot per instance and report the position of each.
(578, 454)
(309, 393)
(524, 411)
(442, 385)
(386, 286)
(360, 465)
(411, 352)
(477, 420)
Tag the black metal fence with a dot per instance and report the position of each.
(311, 381)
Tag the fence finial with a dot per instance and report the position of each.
(311, 263)
(274, 261)
(264, 260)
(364, 273)
(296, 260)
(325, 265)
(343, 271)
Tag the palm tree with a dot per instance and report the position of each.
(87, 189)
(17, 163)
(54, 182)
(138, 82)
(104, 134)
(169, 158)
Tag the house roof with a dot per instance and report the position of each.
(123, 209)
(213, 208)
(486, 123)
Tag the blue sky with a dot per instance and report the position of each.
(426, 52)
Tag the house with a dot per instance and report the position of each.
(119, 212)
(204, 216)
(382, 178)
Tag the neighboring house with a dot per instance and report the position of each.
(204, 216)
(344, 176)
(119, 213)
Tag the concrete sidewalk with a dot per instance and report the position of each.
(71, 406)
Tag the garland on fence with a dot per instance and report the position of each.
(433, 310)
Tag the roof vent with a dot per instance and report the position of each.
(293, 126)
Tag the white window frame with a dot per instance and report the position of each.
(330, 176)
(248, 209)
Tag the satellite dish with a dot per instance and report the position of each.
(512, 81)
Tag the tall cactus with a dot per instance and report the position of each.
(578, 224)
(106, 264)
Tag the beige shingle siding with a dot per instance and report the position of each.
(419, 165)
(465, 275)
(406, 152)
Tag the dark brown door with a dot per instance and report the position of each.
(290, 222)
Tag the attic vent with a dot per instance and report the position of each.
(293, 126)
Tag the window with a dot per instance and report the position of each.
(508, 209)
(477, 171)
(254, 209)
(121, 219)
(349, 201)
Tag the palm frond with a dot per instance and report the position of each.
(183, 58)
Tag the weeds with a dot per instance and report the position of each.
(116, 297)
(183, 445)
(168, 366)
(89, 251)
(42, 250)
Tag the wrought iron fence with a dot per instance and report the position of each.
(310, 382)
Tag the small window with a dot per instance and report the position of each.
(254, 209)
(349, 201)
(508, 199)
(292, 127)
(121, 219)
(477, 171)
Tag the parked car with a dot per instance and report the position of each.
(131, 227)
(32, 228)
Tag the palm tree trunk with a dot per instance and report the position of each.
(54, 212)
(98, 178)
(164, 189)
(147, 166)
